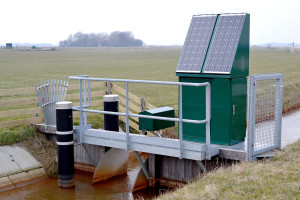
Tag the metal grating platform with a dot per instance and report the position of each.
(196, 43)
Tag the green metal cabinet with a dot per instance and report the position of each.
(216, 50)
(154, 124)
(228, 110)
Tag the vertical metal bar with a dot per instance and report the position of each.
(89, 88)
(54, 100)
(62, 90)
(80, 115)
(42, 92)
(180, 121)
(66, 88)
(39, 98)
(127, 116)
(84, 100)
(52, 109)
(59, 93)
(46, 102)
(251, 118)
(278, 110)
(207, 118)
(49, 101)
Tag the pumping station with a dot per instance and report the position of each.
(223, 113)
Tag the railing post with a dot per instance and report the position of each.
(278, 109)
(89, 92)
(127, 116)
(251, 117)
(207, 118)
(80, 112)
(180, 121)
(84, 100)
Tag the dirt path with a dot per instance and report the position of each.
(290, 128)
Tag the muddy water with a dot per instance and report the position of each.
(115, 188)
(118, 188)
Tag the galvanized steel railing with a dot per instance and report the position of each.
(83, 79)
(264, 113)
(48, 94)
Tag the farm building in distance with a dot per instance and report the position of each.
(9, 45)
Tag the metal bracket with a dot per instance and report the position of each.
(202, 167)
(88, 153)
(142, 165)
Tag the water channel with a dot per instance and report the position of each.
(115, 188)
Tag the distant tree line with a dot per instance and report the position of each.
(114, 39)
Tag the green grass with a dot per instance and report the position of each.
(276, 179)
(265, 62)
(14, 135)
(26, 68)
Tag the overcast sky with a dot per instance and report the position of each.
(156, 22)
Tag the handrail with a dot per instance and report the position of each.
(180, 120)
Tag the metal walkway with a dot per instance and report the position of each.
(262, 89)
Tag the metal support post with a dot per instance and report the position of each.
(142, 165)
(251, 117)
(202, 167)
(80, 112)
(127, 116)
(207, 118)
(180, 121)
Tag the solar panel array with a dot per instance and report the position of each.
(196, 43)
(223, 46)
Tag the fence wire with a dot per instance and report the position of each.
(264, 113)
(265, 126)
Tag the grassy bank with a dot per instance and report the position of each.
(276, 179)
(39, 147)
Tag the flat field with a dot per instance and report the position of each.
(26, 68)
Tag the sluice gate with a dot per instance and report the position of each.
(222, 111)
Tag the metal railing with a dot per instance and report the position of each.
(83, 79)
(264, 113)
(48, 94)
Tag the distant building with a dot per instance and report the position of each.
(9, 45)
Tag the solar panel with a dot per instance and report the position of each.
(223, 46)
(196, 43)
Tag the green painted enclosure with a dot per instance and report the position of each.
(228, 110)
(216, 50)
(153, 124)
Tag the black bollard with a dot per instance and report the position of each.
(111, 103)
(65, 144)
(111, 122)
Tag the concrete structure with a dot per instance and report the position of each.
(18, 167)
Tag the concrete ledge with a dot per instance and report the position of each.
(18, 168)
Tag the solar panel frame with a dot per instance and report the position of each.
(196, 43)
(224, 43)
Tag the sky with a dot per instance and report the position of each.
(156, 22)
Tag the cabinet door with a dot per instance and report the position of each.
(193, 107)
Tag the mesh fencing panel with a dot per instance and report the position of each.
(265, 126)
(264, 113)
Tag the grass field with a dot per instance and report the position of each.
(25, 68)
